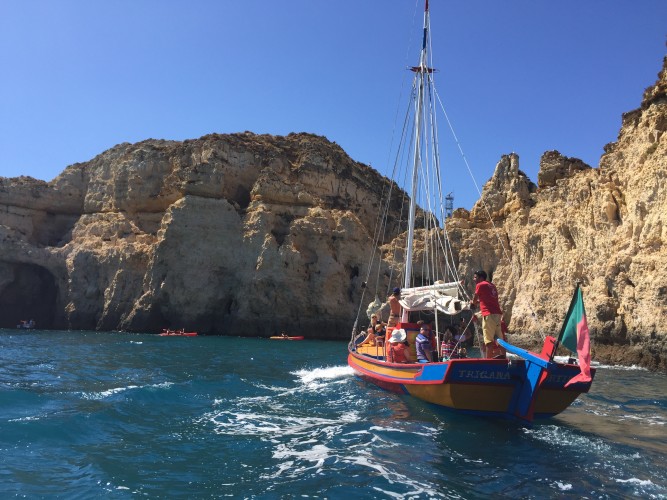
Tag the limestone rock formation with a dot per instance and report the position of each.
(236, 234)
(248, 234)
(604, 227)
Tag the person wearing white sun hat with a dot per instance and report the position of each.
(399, 349)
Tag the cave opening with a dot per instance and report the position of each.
(28, 292)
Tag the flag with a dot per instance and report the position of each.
(575, 336)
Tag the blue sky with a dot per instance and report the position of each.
(524, 76)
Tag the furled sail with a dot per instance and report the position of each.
(443, 297)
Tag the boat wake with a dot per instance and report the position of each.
(117, 390)
(315, 427)
(567, 442)
(315, 376)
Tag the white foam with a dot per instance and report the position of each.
(622, 367)
(634, 480)
(645, 419)
(117, 390)
(328, 373)
(564, 438)
(25, 419)
(597, 364)
(317, 453)
(563, 486)
(111, 392)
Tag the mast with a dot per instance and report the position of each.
(421, 71)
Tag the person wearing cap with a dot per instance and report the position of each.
(399, 349)
(486, 295)
(394, 307)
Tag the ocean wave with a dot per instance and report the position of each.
(644, 488)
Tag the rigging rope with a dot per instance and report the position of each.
(497, 230)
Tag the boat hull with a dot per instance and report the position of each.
(490, 387)
(286, 338)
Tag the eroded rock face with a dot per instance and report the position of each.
(604, 227)
(248, 234)
(236, 234)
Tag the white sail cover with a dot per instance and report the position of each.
(440, 296)
(376, 307)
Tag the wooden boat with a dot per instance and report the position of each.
(524, 385)
(281, 337)
(177, 333)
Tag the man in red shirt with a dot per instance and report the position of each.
(486, 296)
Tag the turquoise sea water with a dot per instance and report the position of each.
(86, 414)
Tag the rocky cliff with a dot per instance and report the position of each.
(236, 234)
(605, 227)
(250, 234)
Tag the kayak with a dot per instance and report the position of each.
(177, 333)
(287, 338)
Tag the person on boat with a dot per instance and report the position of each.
(459, 350)
(399, 349)
(486, 295)
(394, 307)
(380, 333)
(431, 336)
(464, 328)
(448, 345)
(371, 338)
(462, 337)
(423, 345)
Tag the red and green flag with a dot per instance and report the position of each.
(575, 336)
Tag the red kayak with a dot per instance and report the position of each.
(281, 337)
(177, 333)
